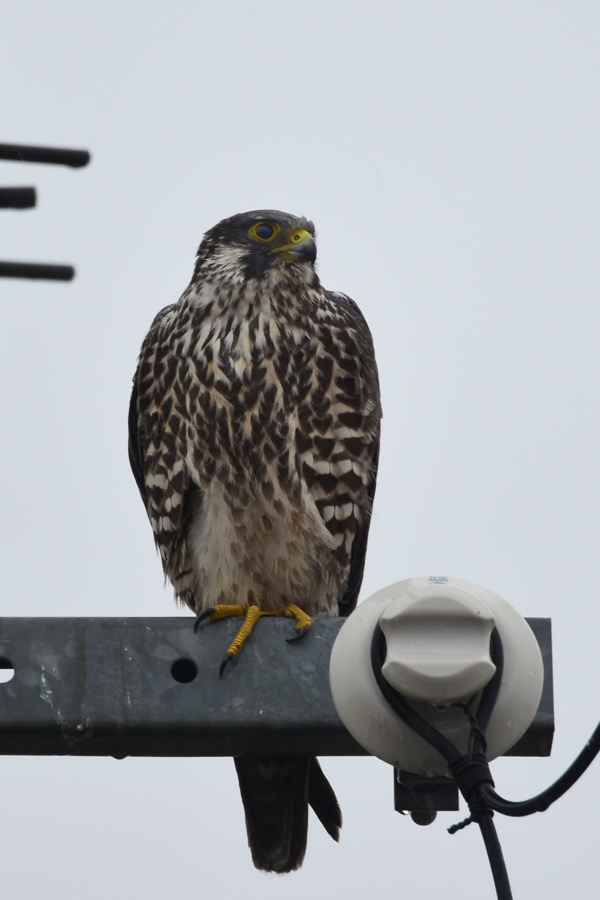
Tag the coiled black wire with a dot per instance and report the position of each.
(541, 802)
(471, 772)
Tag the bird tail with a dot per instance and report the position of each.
(276, 792)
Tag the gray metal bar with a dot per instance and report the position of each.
(151, 687)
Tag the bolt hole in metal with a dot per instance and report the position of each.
(7, 670)
(184, 670)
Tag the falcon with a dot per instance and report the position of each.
(254, 439)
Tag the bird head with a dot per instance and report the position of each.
(256, 242)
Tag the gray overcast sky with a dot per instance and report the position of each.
(448, 155)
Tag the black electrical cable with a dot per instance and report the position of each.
(400, 706)
(412, 718)
(541, 802)
(470, 772)
(492, 688)
(495, 856)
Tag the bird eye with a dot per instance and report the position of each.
(264, 231)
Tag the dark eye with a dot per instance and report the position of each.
(264, 231)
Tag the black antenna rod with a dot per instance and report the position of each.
(17, 197)
(24, 153)
(44, 271)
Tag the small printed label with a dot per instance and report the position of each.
(437, 579)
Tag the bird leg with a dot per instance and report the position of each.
(251, 617)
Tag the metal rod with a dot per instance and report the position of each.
(17, 197)
(45, 271)
(63, 157)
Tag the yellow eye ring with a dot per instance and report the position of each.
(264, 231)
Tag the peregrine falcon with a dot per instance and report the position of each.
(254, 438)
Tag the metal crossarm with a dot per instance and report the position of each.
(151, 687)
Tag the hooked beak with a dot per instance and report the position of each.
(301, 246)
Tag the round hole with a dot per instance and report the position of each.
(7, 670)
(184, 670)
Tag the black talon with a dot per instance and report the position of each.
(205, 614)
(228, 657)
(302, 633)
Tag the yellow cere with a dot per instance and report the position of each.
(299, 235)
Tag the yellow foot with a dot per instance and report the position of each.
(303, 622)
(251, 617)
